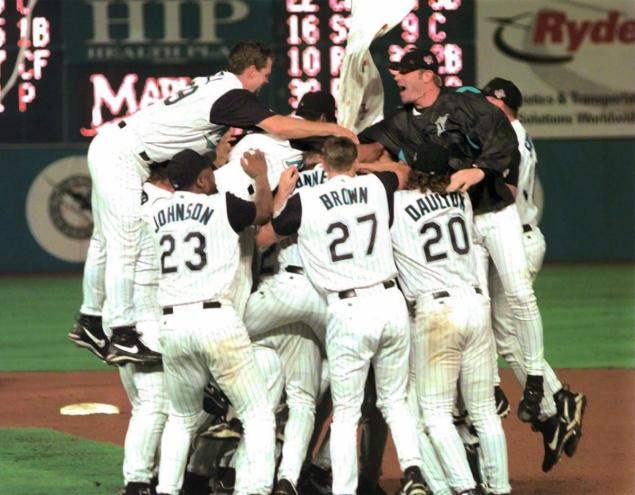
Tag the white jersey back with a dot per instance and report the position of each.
(182, 120)
(147, 266)
(289, 253)
(433, 242)
(527, 209)
(197, 247)
(279, 156)
(344, 234)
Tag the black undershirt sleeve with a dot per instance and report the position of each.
(239, 108)
(390, 182)
(240, 213)
(289, 219)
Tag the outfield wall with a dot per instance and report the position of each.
(589, 204)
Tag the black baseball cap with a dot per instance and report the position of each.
(505, 90)
(316, 103)
(433, 159)
(417, 59)
(184, 167)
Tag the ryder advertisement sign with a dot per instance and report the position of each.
(574, 61)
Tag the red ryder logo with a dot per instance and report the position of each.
(555, 27)
(557, 30)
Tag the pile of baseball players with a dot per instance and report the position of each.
(374, 287)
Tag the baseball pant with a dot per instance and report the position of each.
(503, 323)
(117, 173)
(453, 347)
(369, 328)
(198, 343)
(430, 467)
(282, 299)
(289, 358)
(502, 236)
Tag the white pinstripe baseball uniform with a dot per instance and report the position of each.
(288, 296)
(144, 385)
(432, 241)
(232, 178)
(503, 322)
(201, 334)
(291, 360)
(344, 242)
(118, 161)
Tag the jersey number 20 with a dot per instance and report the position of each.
(458, 238)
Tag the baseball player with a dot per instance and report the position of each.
(118, 160)
(559, 431)
(344, 242)
(452, 343)
(484, 147)
(196, 234)
(145, 383)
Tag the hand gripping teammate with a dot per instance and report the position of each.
(561, 412)
(483, 148)
(118, 161)
(196, 234)
(433, 246)
(344, 242)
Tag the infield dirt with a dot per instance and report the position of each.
(603, 464)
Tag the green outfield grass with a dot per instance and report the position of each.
(37, 461)
(588, 313)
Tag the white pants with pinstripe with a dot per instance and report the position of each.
(502, 237)
(453, 348)
(198, 343)
(282, 299)
(372, 327)
(117, 173)
(503, 324)
(290, 359)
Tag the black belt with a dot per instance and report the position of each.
(168, 310)
(294, 269)
(345, 294)
(527, 228)
(144, 156)
(444, 293)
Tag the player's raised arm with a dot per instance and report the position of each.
(255, 166)
(266, 236)
(290, 128)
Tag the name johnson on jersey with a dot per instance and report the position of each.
(181, 211)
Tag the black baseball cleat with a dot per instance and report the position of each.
(89, 334)
(195, 484)
(126, 347)
(556, 432)
(221, 429)
(413, 483)
(529, 406)
(137, 488)
(226, 480)
(284, 487)
(315, 481)
(502, 403)
(369, 487)
(571, 407)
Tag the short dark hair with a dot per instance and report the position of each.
(314, 104)
(247, 53)
(158, 171)
(185, 167)
(339, 153)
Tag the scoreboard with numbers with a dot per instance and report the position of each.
(64, 91)
(317, 33)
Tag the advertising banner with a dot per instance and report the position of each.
(574, 62)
